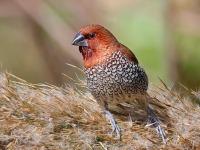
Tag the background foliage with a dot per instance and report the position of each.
(35, 36)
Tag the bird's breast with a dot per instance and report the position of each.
(117, 80)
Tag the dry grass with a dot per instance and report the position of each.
(44, 116)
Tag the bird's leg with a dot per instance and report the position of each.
(154, 121)
(115, 127)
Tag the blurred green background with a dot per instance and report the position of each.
(35, 36)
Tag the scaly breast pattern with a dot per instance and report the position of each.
(117, 80)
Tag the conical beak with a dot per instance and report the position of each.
(79, 40)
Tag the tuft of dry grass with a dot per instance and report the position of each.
(43, 116)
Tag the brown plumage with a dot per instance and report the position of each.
(102, 46)
(113, 74)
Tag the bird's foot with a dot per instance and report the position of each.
(160, 131)
(115, 127)
(153, 120)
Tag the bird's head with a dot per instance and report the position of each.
(96, 44)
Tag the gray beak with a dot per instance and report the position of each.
(79, 40)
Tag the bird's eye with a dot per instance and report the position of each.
(92, 35)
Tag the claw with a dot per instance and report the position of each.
(115, 127)
(161, 132)
(154, 121)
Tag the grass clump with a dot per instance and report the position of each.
(43, 116)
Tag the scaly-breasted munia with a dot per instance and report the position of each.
(113, 73)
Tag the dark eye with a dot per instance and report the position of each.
(92, 35)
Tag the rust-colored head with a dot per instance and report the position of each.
(97, 43)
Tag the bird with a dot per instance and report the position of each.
(113, 75)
